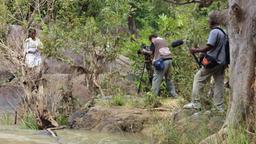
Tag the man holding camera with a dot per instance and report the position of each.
(213, 62)
(162, 62)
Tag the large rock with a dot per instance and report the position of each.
(55, 84)
(110, 119)
(10, 97)
(74, 62)
(79, 90)
(54, 66)
(16, 36)
(122, 65)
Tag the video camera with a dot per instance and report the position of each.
(143, 46)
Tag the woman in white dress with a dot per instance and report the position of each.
(31, 49)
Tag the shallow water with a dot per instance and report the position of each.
(12, 135)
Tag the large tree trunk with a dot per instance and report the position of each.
(242, 36)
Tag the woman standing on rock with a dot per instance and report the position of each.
(31, 49)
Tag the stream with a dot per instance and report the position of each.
(14, 135)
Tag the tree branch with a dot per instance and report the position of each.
(177, 2)
(202, 3)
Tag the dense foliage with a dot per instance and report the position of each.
(99, 28)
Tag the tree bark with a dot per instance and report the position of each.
(242, 37)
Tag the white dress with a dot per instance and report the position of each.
(31, 52)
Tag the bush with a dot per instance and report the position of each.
(62, 120)
(166, 133)
(118, 100)
(151, 100)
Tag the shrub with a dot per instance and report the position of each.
(117, 100)
(151, 100)
(62, 120)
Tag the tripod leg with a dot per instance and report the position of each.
(141, 77)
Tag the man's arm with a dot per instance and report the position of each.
(144, 51)
(212, 40)
(197, 50)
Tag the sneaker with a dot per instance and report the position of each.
(174, 96)
(218, 110)
(192, 105)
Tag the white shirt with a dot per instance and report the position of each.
(31, 53)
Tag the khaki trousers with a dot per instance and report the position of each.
(203, 76)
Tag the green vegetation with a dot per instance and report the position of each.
(237, 136)
(184, 132)
(62, 120)
(7, 119)
(28, 122)
(117, 100)
(100, 30)
(150, 100)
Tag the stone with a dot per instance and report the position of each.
(115, 119)
(10, 97)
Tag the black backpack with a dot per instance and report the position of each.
(227, 48)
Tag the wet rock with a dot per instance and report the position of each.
(111, 119)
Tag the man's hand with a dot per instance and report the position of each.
(193, 50)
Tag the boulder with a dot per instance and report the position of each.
(79, 90)
(55, 84)
(110, 119)
(74, 62)
(10, 97)
(15, 37)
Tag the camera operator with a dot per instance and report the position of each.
(161, 53)
(144, 50)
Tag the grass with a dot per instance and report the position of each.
(7, 119)
(165, 133)
(118, 100)
(28, 122)
(185, 131)
(150, 100)
(62, 120)
(237, 136)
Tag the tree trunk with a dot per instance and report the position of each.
(132, 27)
(242, 37)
